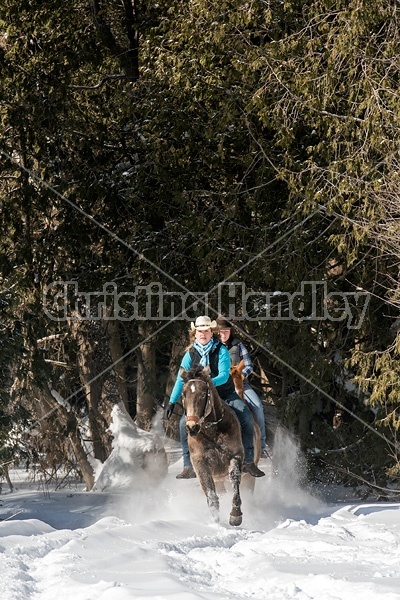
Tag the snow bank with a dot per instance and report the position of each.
(137, 459)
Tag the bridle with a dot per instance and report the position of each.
(207, 409)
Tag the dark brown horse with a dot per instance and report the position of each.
(214, 438)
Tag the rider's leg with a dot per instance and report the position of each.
(256, 407)
(188, 471)
(184, 442)
(246, 423)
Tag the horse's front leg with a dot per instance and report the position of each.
(208, 486)
(235, 468)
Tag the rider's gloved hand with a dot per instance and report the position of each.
(170, 410)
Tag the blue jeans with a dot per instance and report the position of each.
(256, 407)
(246, 424)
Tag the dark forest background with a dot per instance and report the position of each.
(186, 144)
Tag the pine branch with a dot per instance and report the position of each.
(98, 85)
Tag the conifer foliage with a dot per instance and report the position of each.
(182, 145)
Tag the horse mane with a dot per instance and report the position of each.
(198, 371)
(236, 374)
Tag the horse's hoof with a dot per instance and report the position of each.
(235, 521)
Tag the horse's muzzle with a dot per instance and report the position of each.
(193, 429)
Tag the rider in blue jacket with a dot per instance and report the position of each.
(205, 350)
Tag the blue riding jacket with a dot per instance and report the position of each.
(220, 371)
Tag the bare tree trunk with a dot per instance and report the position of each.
(178, 348)
(116, 357)
(179, 343)
(146, 374)
(127, 54)
(90, 364)
(6, 474)
(81, 457)
(273, 383)
(48, 412)
(92, 387)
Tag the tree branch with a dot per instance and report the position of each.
(98, 85)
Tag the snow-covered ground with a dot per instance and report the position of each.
(158, 542)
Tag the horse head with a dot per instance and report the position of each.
(196, 397)
(237, 378)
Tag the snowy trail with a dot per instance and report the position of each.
(161, 544)
(343, 556)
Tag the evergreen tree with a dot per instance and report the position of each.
(186, 144)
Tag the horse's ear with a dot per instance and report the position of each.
(207, 370)
(240, 366)
(183, 374)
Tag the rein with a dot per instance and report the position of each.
(200, 420)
